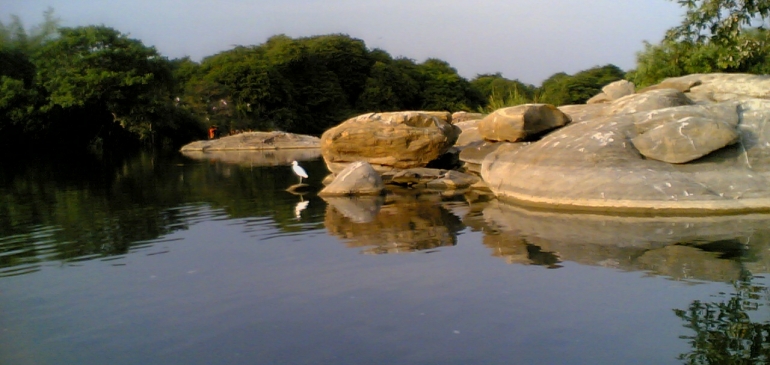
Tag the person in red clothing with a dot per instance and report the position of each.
(213, 132)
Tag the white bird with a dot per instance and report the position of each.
(299, 171)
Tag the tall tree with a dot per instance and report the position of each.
(106, 79)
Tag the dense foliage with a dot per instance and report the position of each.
(558, 89)
(714, 36)
(307, 85)
(71, 88)
(92, 86)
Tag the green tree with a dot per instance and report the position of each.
(19, 95)
(391, 86)
(714, 36)
(444, 89)
(102, 84)
(500, 92)
(564, 89)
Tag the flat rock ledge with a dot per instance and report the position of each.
(708, 153)
(594, 166)
(255, 141)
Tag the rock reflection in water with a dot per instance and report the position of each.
(256, 158)
(392, 225)
(720, 248)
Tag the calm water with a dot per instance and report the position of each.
(170, 260)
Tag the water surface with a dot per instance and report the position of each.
(170, 260)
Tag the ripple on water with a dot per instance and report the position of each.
(23, 253)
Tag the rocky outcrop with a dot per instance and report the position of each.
(255, 141)
(520, 122)
(358, 178)
(389, 140)
(696, 146)
(594, 165)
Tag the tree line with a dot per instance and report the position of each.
(94, 87)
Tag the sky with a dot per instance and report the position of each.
(526, 40)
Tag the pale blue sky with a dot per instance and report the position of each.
(526, 40)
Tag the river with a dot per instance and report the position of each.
(164, 259)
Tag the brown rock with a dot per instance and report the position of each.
(255, 141)
(520, 122)
(388, 140)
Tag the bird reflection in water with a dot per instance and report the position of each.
(301, 205)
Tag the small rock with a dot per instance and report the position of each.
(359, 178)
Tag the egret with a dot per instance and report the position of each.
(299, 171)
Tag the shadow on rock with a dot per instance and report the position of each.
(395, 224)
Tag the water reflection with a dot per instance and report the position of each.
(734, 329)
(718, 248)
(106, 211)
(86, 209)
(396, 224)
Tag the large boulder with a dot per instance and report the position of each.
(613, 91)
(721, 86)
(593, 165)
(359, 178)
(522, 122)
(618, 89)
(255, 141)
(389, 140)
(685, 139)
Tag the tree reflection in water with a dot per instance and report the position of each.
(725, 332)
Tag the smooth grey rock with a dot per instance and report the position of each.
(652, 100)
(592, 165)
(473, 155)
(359, 178)
(618, 89)
(685, 139)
